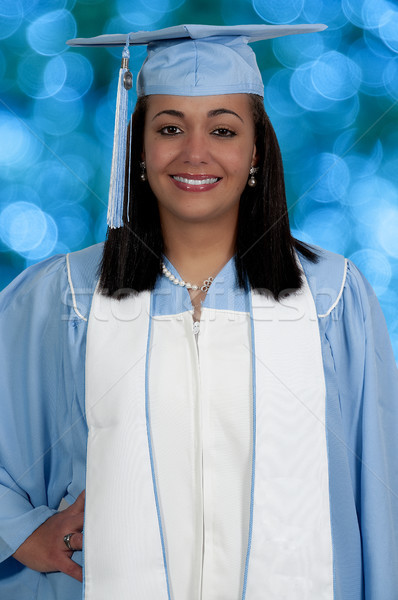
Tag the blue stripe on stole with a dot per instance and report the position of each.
(253, 348)
(148, 429)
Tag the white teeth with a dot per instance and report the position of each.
(196, 181)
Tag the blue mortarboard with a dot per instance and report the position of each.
(185, 60)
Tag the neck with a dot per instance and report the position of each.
(199, 251)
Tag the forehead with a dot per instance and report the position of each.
(200, 105)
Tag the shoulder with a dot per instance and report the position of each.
(83, 273)
(332, 278)
(59, 281)
(84, 265)
(326, 278)
(44, 279)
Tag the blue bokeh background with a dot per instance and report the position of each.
(332, 98)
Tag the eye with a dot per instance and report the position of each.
(223, 132)
(170, 130)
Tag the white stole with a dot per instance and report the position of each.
(290, 549)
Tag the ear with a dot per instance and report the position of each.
(254, 156)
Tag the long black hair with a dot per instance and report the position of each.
(265, 249)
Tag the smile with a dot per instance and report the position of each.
(199, 181)
(195, 183)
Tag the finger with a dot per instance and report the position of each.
(73, 523)
(69, 567)
(78, 505)
(75, 541)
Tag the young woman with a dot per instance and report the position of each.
(235, 389)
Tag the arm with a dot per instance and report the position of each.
(368, 390)
(35, 413)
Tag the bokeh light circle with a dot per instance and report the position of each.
(375, 266)
(82, 154)
(339, 116)
(47, 34)
(60, 184)
(51, 116)
(138, 16)
(162, 6)
(329, 228)
(15, 140)
(278, 11)
(23, 226)
(277, 95)
(390, 78)
(345, 142)
(294, 50)
(361, 166)
(304, 92)
(73, 225)
(353, 11)
(387, 231)
(78, 76)
(47, 245)
(376, 14)
(376, 45)
(388, 30)
(372, 67)
(33, 9)
(100, 227)
(328, 12)
(335, 76)
(104, 122)
(331, 178)
(368, 191)
(54, 75)
(31, 74)
(133, 20)
(11, 15)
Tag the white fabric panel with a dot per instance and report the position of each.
(123, 557)
(201, 408)
(291, 555)
(200, 402)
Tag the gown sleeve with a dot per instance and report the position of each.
(35, 447)
(367, 381)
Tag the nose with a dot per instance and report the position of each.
(196, 149)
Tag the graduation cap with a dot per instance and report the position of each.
(185, 60)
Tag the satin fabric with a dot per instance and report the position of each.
(43, 431)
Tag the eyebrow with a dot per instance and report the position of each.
(212, 113)
(223, 111)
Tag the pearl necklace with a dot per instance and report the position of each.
(203, 288)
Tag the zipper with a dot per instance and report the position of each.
(196, 331)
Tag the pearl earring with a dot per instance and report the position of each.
(252, 180)
(143, 171)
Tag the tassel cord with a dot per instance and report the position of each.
(117, 181)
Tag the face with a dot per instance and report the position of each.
(198, 152)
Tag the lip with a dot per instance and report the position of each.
(199, 182)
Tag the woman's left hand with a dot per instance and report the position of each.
(45, 550)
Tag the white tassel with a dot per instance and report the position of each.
(116, 187)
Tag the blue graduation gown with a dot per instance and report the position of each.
(43, 432)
